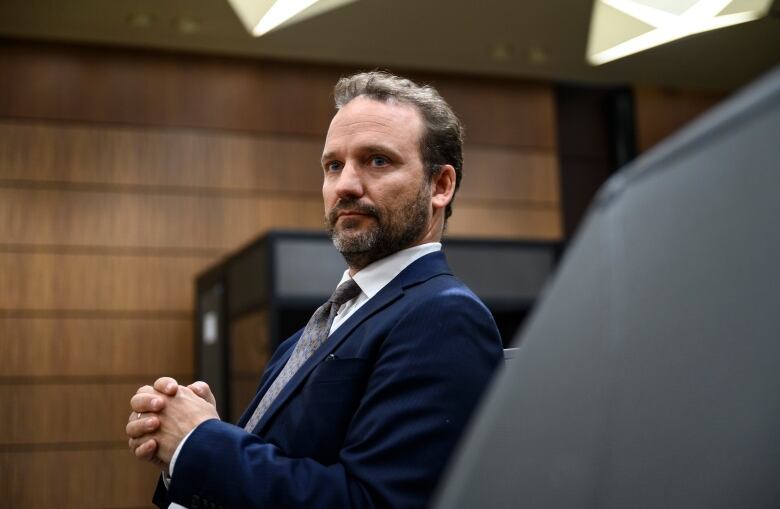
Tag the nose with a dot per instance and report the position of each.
(349, 183)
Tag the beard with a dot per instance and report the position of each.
(390, 231)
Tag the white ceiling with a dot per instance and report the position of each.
(517, 38)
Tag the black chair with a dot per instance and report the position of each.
(649, 376)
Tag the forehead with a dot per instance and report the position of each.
(364, 120)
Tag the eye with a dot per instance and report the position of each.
(333, 166)
(379, 161)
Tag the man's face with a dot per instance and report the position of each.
(376, 194)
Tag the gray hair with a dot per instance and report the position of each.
(442, 140)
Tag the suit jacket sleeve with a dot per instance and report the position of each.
(429, 369)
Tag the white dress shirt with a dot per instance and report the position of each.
(376, 276)
(371, 280)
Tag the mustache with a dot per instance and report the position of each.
(351, 206)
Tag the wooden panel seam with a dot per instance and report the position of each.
(102, 250)
(98, 314)
(156, 190)
(97, 445)
(161, 128)
(251, 194)
(224, 131)
(102, 380)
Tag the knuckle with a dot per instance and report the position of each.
(131, 430)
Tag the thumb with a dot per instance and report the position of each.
(203, 390)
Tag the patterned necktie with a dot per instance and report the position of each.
(315, 333)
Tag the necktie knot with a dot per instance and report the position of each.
(347, 290)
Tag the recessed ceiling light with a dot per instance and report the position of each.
(620, 28)
(537, 55)
(140, 20)
(501, 51)
(187, 25)
(261, 16)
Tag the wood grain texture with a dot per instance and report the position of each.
(661, 111)
(95, 218)
(78, 218)
(502, 112)
(147, 88)
(163, 89)
(66, 413)
(84, 347)
(76, 479)
(149, 160)
(71, 282)
(515, 175)
(160, 159)
(496, 221)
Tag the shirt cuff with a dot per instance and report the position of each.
(175, 457)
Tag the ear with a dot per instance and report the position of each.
(442, 187)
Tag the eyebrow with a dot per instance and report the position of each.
(368, 149)
(384, 149)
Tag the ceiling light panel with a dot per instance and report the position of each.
(262, 16)
(620, 28)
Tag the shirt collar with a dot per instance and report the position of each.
(375, 276)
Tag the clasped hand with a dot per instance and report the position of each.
(163, 414)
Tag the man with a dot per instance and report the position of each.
(360, 409)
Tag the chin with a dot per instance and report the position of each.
(353, 240)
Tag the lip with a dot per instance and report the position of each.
(350, 213)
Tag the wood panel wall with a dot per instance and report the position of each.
(123, 174)
(660, 111)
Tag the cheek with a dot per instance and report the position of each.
(395, 193)
(327, 195)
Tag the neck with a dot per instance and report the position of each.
(355, 264)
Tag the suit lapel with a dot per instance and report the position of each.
(335, 339)
(420, 270)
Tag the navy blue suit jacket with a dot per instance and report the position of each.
(369, 420)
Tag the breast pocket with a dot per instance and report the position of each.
(328, 401)
(334, 369)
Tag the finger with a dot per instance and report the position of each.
(134, 416)
(147, 402)
(135, 443)
(146, 450)
(166, 385)
(203, 390)
(200, 388)
(140, 427)
(145, 388)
